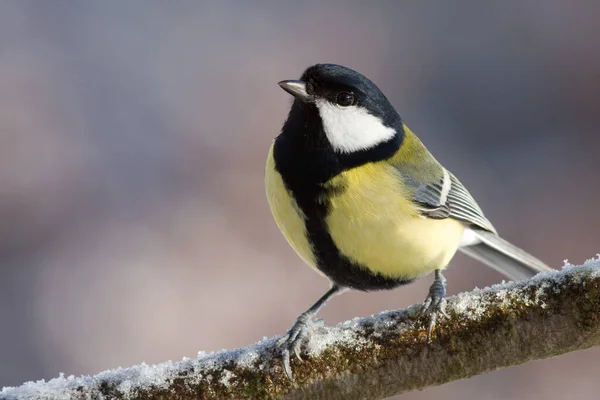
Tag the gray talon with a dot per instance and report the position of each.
(297, 353)
(442, 309)
(285, 355)
(292, 343)
(431, 324)
(294, 339)
(282, 340)
(435, 302)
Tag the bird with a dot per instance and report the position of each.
(364, 203)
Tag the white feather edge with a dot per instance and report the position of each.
(469, 238)
(446, 186)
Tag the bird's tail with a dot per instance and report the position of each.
(503, 256)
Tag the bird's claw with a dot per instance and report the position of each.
(292, 343)
(297, 336)
(435, 303)
(432, 307)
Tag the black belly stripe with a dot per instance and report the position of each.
(304, 170)
(339, 268)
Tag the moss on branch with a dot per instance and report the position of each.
(377, 356)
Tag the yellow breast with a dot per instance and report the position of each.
(369, 222)
(372, 224)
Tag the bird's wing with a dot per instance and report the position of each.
(447, 198)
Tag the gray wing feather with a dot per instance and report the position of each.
(448, 198)
(464, 208)
(429, 198)
(426, 194)
(504, 257)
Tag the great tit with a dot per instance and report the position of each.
(363, 202)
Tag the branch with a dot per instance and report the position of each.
(374, 357)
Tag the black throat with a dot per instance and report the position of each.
(307, 162)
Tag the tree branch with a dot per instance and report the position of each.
(378, 356)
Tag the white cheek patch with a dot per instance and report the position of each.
(352, 128)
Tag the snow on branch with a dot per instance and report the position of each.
(374, 357)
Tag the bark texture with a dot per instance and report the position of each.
(377, 356)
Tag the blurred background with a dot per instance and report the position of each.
(133, 136)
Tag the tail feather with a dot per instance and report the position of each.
(503, 256)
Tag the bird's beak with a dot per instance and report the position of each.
(296, 89)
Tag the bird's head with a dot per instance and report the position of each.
(355, 116)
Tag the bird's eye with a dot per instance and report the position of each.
(345, 99)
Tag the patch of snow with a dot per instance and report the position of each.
(127, 381)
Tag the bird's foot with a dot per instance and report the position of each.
(435, 302)
(292, 342)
